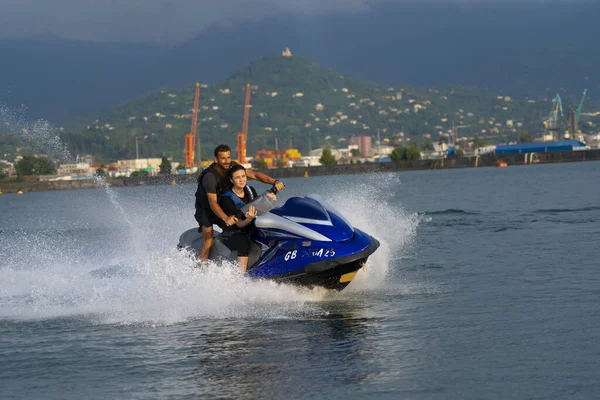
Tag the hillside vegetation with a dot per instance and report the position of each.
(296, 101)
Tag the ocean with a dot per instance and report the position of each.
(486, 286)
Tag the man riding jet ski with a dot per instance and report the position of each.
(305, 242)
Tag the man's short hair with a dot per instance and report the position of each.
(222, 148)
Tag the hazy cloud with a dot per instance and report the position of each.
(162, 20)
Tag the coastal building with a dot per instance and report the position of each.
(365, 146)
(80, 169)
(7, 168)
(306, 161)
(126, 167)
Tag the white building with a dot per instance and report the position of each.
(82, 169)
(126, 167)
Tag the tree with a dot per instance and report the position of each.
(30, 165)
(459, 153)
(280, 163)
(101, 172)
(139, 174)
(413, 153)
(165, 166)
(355, 152)
(399, 154)
(428, 146)
(327, 158)
(406, 154)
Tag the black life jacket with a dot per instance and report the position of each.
(222, 185)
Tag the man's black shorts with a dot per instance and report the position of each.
(206, 217)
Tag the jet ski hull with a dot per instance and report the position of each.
(314, 264)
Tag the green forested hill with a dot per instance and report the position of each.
(295, 99)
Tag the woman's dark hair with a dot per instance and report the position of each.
(234, 169)
(222, 148)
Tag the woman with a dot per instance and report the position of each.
(237, 236)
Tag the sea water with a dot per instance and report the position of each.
(486, 285)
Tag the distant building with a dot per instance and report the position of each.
(365, 145)
(126, 167)
(7, 168)
(82, 169)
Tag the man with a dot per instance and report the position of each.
(212, 182)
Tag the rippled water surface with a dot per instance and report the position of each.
(487, 285)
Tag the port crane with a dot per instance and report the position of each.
(242, 136)
(551, 122)
(190, 138)
(574, 115)
(579, 109)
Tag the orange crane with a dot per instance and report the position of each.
(241, 137)
(190, 138)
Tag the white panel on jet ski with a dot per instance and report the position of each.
(273, 221)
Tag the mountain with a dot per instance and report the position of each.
(517, 48)
(298, 103)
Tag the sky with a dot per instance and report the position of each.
(167, 21)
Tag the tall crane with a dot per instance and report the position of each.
(573, 118)
(190, 138)
(241, 137)
(579, 109)
(552, 122)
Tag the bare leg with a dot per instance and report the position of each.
(243, 263)
(207, 240)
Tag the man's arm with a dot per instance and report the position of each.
(264, 178)
(216, 208)
(209, 183)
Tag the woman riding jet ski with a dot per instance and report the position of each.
(306, 242)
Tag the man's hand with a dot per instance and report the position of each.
(230, 220)
(279, 185)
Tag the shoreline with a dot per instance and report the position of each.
(487, 160)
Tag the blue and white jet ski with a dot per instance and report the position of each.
(305, 242)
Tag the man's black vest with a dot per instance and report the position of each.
(222, 185)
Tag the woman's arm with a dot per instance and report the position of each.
(250, 215)
(230, 209)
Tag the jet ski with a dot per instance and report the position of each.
(306, 242)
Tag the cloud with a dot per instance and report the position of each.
(143, 20)
(163, 20)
